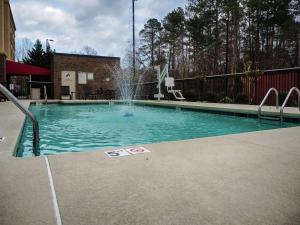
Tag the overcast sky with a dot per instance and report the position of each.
(101, 24)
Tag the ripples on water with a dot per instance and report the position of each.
(73, 128)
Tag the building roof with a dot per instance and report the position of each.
(16, 68)
(87, 56)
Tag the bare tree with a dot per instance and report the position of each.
(22, 48)
(88, 50)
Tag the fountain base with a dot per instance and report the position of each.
(128, 114)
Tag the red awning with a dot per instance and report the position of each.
(15, 68)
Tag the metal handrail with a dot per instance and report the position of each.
(30, 115)
(286, 100)
(265, 99)
(45, 94)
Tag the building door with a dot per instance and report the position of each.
(35, 93)
(68, 79)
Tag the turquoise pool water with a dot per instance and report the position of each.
(77, 128)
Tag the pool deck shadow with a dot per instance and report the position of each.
(250, 178)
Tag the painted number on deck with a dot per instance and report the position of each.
(117, 153)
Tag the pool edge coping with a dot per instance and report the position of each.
(204, 106)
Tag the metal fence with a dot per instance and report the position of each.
(247, 88)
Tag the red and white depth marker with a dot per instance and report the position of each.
(138, 150)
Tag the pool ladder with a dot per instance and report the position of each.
(286, 100)
(280, 118)
(30, 115)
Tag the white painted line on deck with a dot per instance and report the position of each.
(53, 193)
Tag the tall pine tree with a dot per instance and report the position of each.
(150, 49)
(38, 57)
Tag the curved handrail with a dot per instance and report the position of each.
(35, 124)
(286, 100)
(265, 99)
(45, 94)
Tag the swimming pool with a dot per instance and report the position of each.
(85, 127)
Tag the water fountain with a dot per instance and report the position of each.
(127, 86)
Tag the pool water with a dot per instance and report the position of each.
(77, 128)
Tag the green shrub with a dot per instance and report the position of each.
(241, 99)
(191, 95)
(213, 97)
(226, 100)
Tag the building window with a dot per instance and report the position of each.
(90, 76)
(82, 78)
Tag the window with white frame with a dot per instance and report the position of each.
(90, 76)
(82, 78)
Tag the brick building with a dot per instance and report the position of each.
(71, 76)
(7, 37)
(80, 76)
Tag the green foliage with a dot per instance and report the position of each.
(173, 25)
(226, 100)
(38, 57)
(213, 97)
(191, 95)
(290, 102)
(220, 36)
(150, 50)
(173, 35)
(241, 99)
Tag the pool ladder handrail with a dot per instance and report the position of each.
(45, 94)
(286, 100)
(30, 115)
(265, 99)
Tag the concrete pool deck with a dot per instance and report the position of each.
(250, 178)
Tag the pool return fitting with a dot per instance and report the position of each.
(30, 115)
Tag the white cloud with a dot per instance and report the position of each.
(101, 24)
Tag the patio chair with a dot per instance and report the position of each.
(109, 94)
(100, 93)
(86, 93)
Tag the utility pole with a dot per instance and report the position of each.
(227, 53)
(133, 37)
(47, 43)
(227, 43)
(299, 49)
